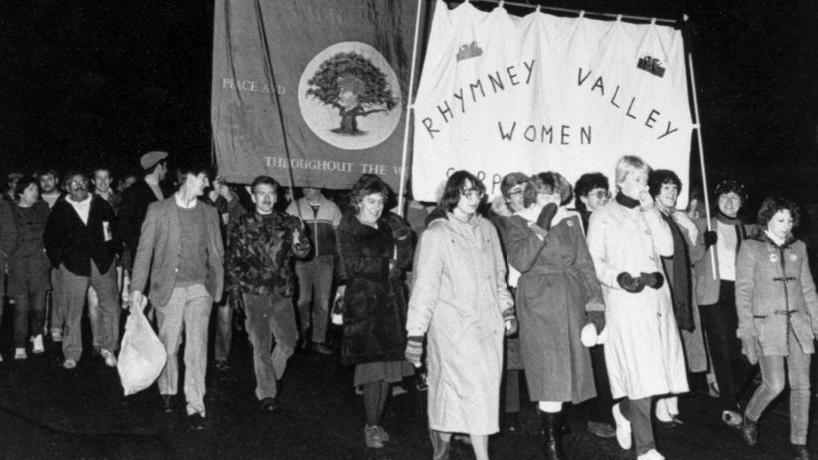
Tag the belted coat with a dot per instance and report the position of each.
(775, 290)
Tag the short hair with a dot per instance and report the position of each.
(585, 184)
(367, 185)
(628, 164)
(23, 184)
(772, 205)
(551, 182)
(454, 187)
(731, 186)
(71, 173)
(102, 168)
(265, 180)
(514, 179)
(193, 169)
(50, 171)
(659, 177)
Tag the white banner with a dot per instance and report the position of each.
(501, 93)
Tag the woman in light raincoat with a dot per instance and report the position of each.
(461, 299)
(626, 239)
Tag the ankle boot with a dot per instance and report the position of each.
(552, 435)
(440, 447)
(749, 430)
(800, 451)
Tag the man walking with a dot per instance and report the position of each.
(180, 247)
(259, 256)
(79, 242)
(321, 217)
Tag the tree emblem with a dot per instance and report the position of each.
(355, 86)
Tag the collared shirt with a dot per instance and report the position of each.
(83, 208)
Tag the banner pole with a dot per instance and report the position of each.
(697, 128)
(409, 111)
(277, 97)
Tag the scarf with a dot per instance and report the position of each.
(626, 201)
(727, 220)
(680, 288)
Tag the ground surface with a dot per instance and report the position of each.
(47, 412)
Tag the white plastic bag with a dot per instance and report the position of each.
(142, 356)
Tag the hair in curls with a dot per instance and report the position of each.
(367, 185)
(514, 179)
(551, 182)
(455, 185)
(659, 177)
(586, 183)
(731, 186)
(772, 205)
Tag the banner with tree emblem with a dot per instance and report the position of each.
(341, 70)
(501, 93)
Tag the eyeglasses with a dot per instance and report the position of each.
(516, 192)
(472, 193)
(78, 183)
(601, 195)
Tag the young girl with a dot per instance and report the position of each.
(777, 306)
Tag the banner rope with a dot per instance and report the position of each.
(577, 12)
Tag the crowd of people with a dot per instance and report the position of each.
(604, 298)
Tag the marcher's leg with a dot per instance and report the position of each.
(480, 445)
(512, 391)
(21, 319)
(639, 412)
(37, 312)
(94, 317)
(57, 315)
(372, 398)
(719, 339)
(285, 333)
(169, 323)
(441, 444)
(73, 288)
(322, 285)
(224, 332)
(798, 364)
(550, 419)
(196, 319)
(772, 384)
(258, 311)
(305, 272)
(108, 303)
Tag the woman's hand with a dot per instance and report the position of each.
(751, 348)
(645, 200)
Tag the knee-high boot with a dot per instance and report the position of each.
(552, 435)
(440, 447)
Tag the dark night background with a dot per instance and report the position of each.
(84, 82)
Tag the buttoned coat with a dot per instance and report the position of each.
(556, 284)
(775, 290)
(160, 247)
(643, 351)
(708, 284)
(458, 295)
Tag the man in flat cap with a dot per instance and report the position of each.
(136, 199)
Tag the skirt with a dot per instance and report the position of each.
(389, 371)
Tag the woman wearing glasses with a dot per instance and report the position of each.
(461, 303)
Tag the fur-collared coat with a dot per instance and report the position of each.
(775, 290)
(375, 297)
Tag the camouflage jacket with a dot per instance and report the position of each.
(259, 255)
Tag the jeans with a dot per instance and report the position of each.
(270, 318)
(57, 301)
(94, 316)
(224, 331)
(28, 283)
(74, 288)
(189, 309)
(732, 369)
(772, 384)
(314, 286)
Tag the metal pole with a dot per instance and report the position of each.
(409, 109)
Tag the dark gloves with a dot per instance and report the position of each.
(710, 238)
(400, 228)
(652, 280)
(597, 318)
(414, 349)
(629, 283)
(546, 216)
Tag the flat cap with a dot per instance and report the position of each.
(150, 159)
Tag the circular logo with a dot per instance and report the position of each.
(350, 97)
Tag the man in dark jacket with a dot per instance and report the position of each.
(260, 250)
(79, 242)
(135, 201)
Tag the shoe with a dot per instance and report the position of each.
(398, 390)
(749, 430)
(552, 435)
(320, 348)
(20, 353)
(37, 344)
(731, 418)
(110, 359)
(167, 403)
(800, 451)
(623, 428)
(601, 430)
(196, 422)
(652, 454)
(69, 364)
(372, 438)
(268, 405)
(56, 335)
(382, 434)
